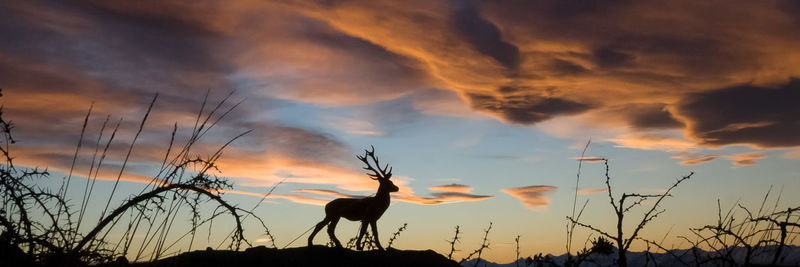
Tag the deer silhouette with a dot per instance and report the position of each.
(367, 210)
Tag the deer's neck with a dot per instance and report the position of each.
(382, 194)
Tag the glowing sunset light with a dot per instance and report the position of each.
(482, 109)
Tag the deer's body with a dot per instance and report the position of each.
(367, 210)
(358, 209)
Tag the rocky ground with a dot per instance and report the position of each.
(303, 256)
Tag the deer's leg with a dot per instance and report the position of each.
(316, 229)
(332, 232)
(375, 234)
(359, 245)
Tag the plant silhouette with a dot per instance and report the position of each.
(41, 224)
(621, 209)
(367, 210)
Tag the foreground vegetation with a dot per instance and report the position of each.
(46, 226)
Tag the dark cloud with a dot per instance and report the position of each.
(703, 55)
(383, 55)
(508, 89)
(152, 40)
(564, 67)
(483, 35)
(68, 56)
(392, 115)
(791, 8)
(648, 116)
(295, 143)
(745, 114)
(526, 109)
(549, 17)
(382, 71)
(579, 7)
(123, 48)
(306, 60)
(610, 58)
(603, 54)
(648, 38)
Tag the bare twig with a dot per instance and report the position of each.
(394, 236)
(453, 244)
(484, 245)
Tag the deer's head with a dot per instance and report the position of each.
(382, 175)
(388, 185)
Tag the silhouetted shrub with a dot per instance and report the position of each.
(44, 225)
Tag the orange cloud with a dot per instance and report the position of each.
(695, 160)
(268, 169)
(533, 197)
(653, 141)
(441, 198)
(457, 188)
(325, 192)
(745, 159)
(55, 159)
(297, 155)
(245, 163)
(571, 70)
(302, 199)
(589, 159)
(607, 71)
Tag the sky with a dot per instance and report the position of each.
(482, 108)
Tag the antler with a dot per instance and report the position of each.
(377, 173)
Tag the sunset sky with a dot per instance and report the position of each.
(481, 107)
